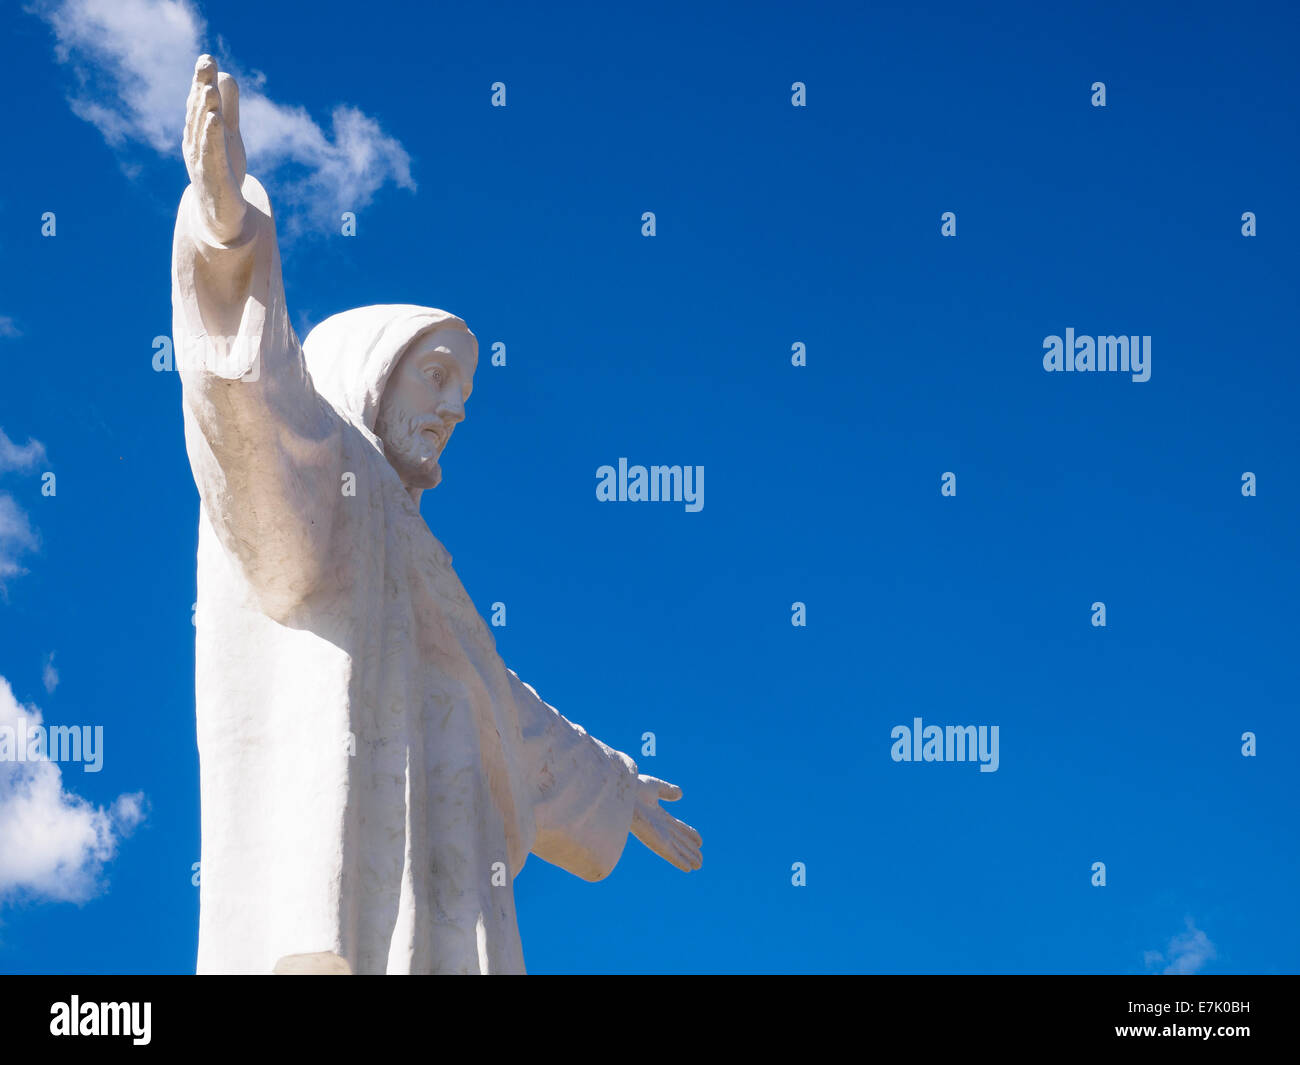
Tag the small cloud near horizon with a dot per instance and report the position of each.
(1187, 952)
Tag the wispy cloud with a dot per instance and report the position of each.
(13, 457)
(17, 536)
(9, 328)
(50, 675)
(133, 61)
(1186, 953)
(53, 843)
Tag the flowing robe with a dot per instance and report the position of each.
(373, 777)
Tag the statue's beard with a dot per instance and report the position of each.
(411, 451)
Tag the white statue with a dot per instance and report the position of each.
(373, 776)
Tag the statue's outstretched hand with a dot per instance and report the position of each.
(674, 841)
(214, 150)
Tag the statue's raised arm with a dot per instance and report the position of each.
(264, 447)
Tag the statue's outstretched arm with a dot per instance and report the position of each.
(589, 796)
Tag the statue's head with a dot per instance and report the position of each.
(423, 402)
(401, 371)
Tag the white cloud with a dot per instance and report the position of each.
(53, 843)
(9, 328)
(128, 57)
(50, 675)
(16, 538)
(134, 59)
(16, 534)
(13, 457)
(1186, 953)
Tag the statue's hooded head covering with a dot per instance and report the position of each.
(351, 355)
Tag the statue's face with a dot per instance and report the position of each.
(422, 402)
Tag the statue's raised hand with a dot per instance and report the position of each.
(673, 840)
(214, 150)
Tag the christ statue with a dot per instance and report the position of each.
(373, 777)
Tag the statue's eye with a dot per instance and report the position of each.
(435, 373)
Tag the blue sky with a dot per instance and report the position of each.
(774, 224)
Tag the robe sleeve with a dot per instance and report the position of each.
(265, 448)
(585, 792)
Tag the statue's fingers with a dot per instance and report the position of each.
(685, 830)
(667, 850)
(205, 101)
(219, 192)
(686, 846)
(192, 110)
(190, 150)
(203, 78)
(212, 149)
(686, 859)
(668, 792)
(207, 108)
(205, 70)
(229, 91)
(202, 98)
(679, 837)
(675, 852)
